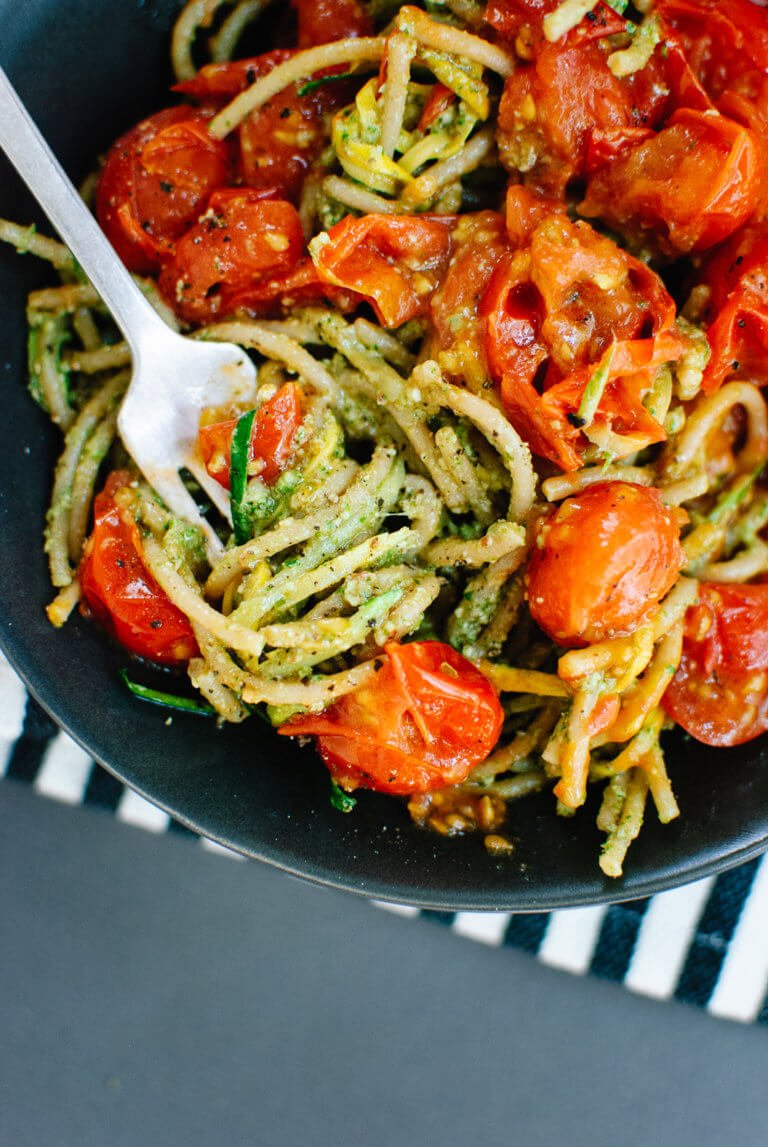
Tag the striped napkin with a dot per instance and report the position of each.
(705, 944)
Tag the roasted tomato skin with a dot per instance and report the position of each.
(272, 437)
(156, 180)
(478, 244)
(424, 721)
(601, 562)
(322, 21)
(394, 261)
(553, 308)
(736, 276)
(719, 693)
(120, 591)
(686, 188)
(245, 240)
(277, 142)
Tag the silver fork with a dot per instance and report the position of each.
(174, 377)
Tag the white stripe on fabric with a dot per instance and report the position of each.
(666, 934)
(214, 846)
(64, 772)
(397, 909)
(6, 752)
(13, 701)
(134, 809)
(571, 937)
(487, 927)
(743, 980)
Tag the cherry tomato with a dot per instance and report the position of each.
(395, 261)
(302, 287)
(272, 437)
(555, 108)
(737, 312)
(720, 691)
(156, 180)
(602, 560)
(121, 592)
(440, 99)
(321, 21)
(243, 240)
(726, 42)
(519, 23)
(553, 310)
(479, 242)
(686, 188)
(526, 208)
(422, 723)
(279, 141)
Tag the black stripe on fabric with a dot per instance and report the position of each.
(526, 931)
(36, 735)
(179, 829)
(616, 942)
(707, 953)
(103, 790)
(444, 918)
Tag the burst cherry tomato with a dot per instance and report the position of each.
(395, 261)
(686, 188)
(321, 21)
(564, 111)
(553, 309)
(737, 312)
(603, 559)
(243, 240)
(726, 42)
(272, 437)
(121, 592)
(422, 723)
(279, 141)
(479, 242)
(720, 691)
(156, 180)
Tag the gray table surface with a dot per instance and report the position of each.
(152, 993)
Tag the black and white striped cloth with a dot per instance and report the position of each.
(705, 944)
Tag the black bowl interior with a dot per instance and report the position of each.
(87, 70)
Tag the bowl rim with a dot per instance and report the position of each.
(323, 875)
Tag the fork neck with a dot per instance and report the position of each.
(22, 142)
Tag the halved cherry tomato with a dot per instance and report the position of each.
(279, 141)
(321, 21)
(272, 437)
(737, 311)
(686, 188)
(720, 691)
(156, 180)
(243, 240)
(479, 242)
(395, 261)
(121, 592)
(602, 560)
(559, 306)
(422, 723)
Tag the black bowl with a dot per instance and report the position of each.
(88, 70)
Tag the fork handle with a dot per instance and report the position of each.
(22, 142)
